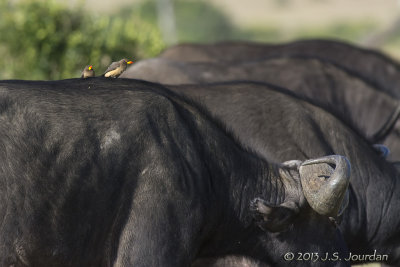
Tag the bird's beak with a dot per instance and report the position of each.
(129, 62)
(90, 67)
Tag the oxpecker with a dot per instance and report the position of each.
(88, 72)
(116, 68)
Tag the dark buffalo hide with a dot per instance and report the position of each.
(104, 172)
(375, 67)
(373, 113)
(280, 127)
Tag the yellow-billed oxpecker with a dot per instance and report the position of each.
(88, 72)
(116, 68)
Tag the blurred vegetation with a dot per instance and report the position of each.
(200, 21)
(196, 20)
(353, 31)
(43, 39)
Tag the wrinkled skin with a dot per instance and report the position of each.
(356, 102)
(376, 68)
(376, 224)
(373, 66)
(102, 172)
(280, 127)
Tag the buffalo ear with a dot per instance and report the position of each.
(273, 218)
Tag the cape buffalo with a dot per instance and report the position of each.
(101, 172)
(372, 112)
(280, 127)
(373, 66)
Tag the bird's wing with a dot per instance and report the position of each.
(113, 66)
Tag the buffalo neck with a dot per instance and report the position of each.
(244, 173)
(232, 176)
(237, 177)
(247, 176)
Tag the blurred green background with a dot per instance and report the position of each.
(54, 39)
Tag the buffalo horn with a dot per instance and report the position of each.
(325, 187)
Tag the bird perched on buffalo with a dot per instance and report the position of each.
(116, 68)
(88, 71)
